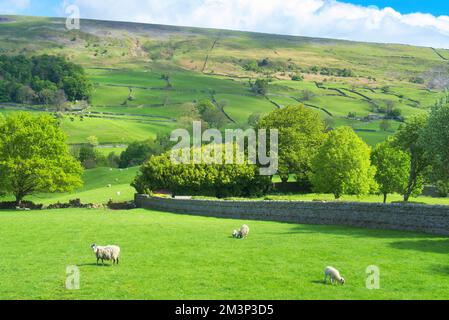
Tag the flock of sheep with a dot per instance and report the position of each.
(112, 253)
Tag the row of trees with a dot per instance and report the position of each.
(135, 154)
(42, 79)
(326, 161)
(339, 162)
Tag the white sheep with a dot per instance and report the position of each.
(334, 275)
(106, 253)
(244, 231)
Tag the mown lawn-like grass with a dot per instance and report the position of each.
(168, 256)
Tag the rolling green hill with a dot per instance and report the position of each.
(128, 59)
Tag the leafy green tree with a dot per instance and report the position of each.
(4, 92)
(25, 94)
(260, 86)
(93, 141)
(34, 156)
(342, 165)
(393, 167)
(435, 139)
(211, 114)
(301, 133)
(385, 125)
(77, 88)
(204, 106)
(409, 139)
(138, 152)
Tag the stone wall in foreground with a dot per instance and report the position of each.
(405, 217)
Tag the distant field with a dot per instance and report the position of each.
(168, 256)
(96, 188)
(132, 102)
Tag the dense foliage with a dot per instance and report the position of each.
(217, 180)
(34, 157)
(393, 168)
(435, 139)
(343, 166)
(42, 79)
(409, 139)
(138, 152)
(301, 133)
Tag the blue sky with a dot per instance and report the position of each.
(416, 22)
(435, 7)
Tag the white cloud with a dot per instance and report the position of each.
(13, 6)
(316, 18)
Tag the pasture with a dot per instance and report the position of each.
(168, 256)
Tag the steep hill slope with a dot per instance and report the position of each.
(345, 81)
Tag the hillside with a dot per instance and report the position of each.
(344, 81)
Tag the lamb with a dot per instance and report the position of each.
(107, 253)
(334, 275)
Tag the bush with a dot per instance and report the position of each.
(442, 188)
(216, 180)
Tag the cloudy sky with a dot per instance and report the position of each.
(416, 22)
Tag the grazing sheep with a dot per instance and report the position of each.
(244, 231)
(107, 253)
(334, 275)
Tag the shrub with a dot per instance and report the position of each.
(217, 180)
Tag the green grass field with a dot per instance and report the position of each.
(168, 256)
(95, 189)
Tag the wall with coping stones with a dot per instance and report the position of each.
(405, 217)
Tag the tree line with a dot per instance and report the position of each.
(44, 79)
(331, 161)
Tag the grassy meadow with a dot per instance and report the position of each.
(168, 256)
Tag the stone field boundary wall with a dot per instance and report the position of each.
(405, 217)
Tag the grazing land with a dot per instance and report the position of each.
(167, 256)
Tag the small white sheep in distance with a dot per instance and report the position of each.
(334, 275)
(107, 253)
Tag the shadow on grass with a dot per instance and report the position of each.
(442, 269)
(94, 265)
(357, 232)
(432, 246)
